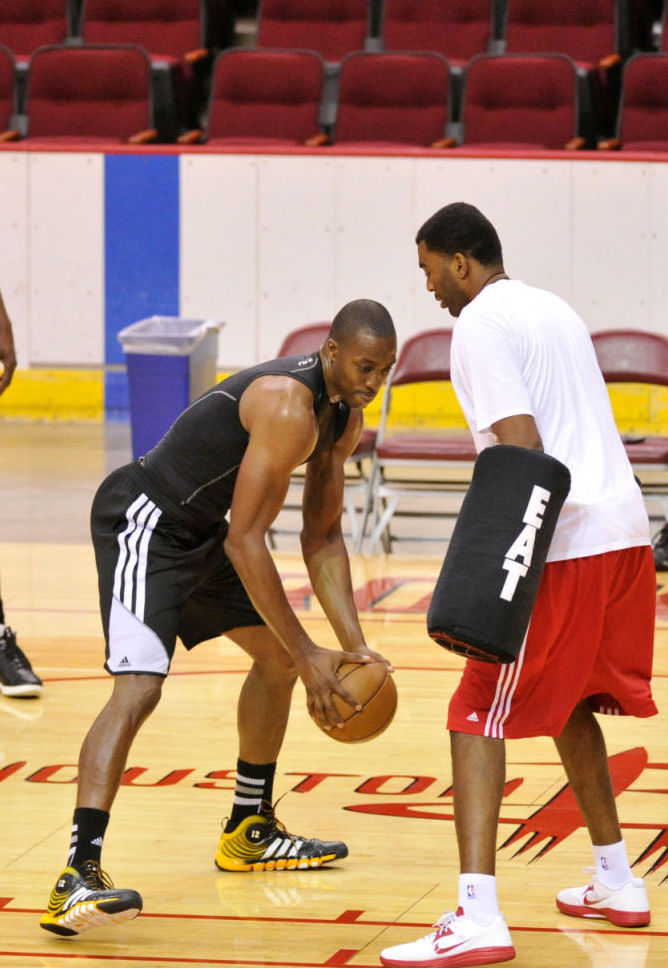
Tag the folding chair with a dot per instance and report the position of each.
(635, 356)
(412, 463)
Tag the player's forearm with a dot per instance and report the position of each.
(328, 567)
(255, 567)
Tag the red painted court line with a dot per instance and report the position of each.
(213, 672)
(339, 958)
(349, 917)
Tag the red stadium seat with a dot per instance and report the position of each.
(524, 102)
(7, 96)
(458, 29)
(596, 34)
(393, 98)
(264, 97)
(181, 37)
(83, 94)
(333, 28)
(587, 30)
(26, 25)
(174, 29)
(642, 121)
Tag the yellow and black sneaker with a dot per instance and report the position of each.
(261, 843)
(86, 899)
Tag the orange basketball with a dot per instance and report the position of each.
(373, 686)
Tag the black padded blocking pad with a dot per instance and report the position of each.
(486, 590)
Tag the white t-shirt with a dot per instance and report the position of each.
(521, 350)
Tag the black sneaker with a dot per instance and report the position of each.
(261, 843)
(17, 677)
(86, 899)
(660, 549)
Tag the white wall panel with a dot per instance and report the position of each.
(374, 221)
(611, 244)
(269, 243)
(658, 249)
(219, 233)
(66, 253)
(296, 246)
(526, 200)
(14, 276)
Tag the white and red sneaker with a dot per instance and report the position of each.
(457, 941)
(627, 906)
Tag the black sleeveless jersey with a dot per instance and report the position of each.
(195, 465)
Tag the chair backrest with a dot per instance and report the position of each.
(304, 340)
(530, 100)
(103, 92)
(7, 91)
(423, 357)
(400, 98)
(456, 28)
(632, 356)
(333, 28)
(643, 112)
(270, 94)
(28, 24)
(586, 30)
(163, 27)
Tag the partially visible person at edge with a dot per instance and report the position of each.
(525, 373)
(170, 564)
(17, 677)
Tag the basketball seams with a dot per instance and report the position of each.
(355, 668)
(376, 704)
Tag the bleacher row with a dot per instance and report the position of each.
(431, 74)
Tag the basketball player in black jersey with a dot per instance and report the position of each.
(170, 564)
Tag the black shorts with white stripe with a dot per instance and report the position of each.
(158, 579)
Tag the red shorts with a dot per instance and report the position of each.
(591, 636)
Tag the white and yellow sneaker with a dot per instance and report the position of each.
(261, 843)
(86, 899)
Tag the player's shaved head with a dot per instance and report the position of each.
(362, 314)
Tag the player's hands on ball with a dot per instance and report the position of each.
(322, 681)
(377, 657)
(318, 674)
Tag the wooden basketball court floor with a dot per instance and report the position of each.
(389, 799)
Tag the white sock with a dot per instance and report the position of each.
(612, 864)
(477, 896)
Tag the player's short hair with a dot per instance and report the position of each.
(460, 227)
(362, 314)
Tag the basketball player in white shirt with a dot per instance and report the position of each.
(525, 373)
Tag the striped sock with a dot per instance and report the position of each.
(254, 784)
(88, 828)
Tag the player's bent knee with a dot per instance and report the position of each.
(138, 693)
